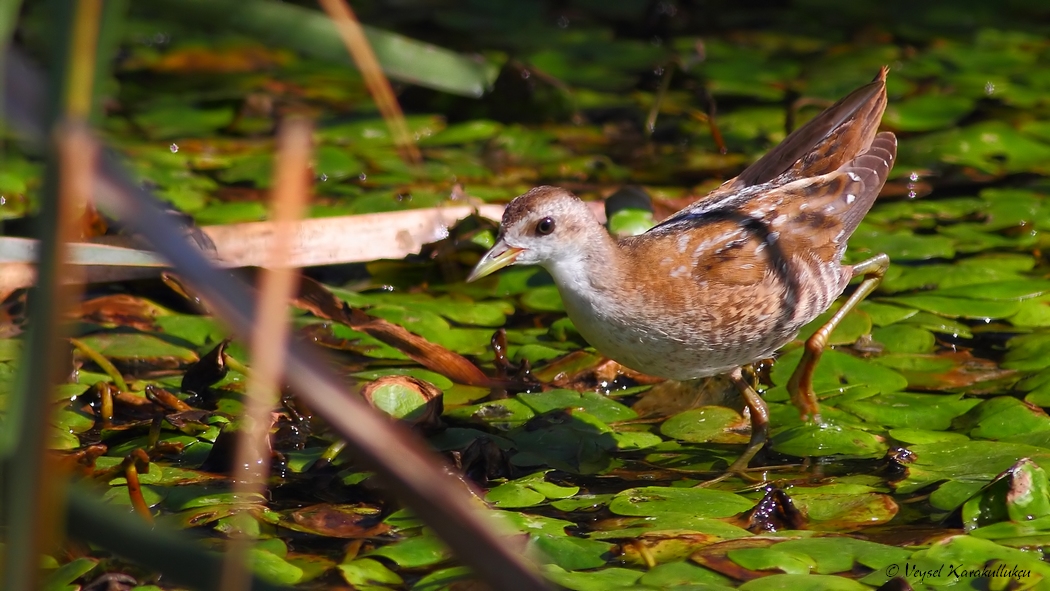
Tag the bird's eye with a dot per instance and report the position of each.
(545, 226)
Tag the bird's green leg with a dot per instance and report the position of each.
(759, 420)
(800, 386)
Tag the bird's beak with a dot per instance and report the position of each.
(496, 258)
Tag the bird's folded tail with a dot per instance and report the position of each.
(827, 141)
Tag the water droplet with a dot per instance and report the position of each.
(324, 177)
(563, 22)
(362, 176)
(989, 88)
(174, 148)
(914, 176)
(525, 74)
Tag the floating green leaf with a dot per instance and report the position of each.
(528, 491)
(705, 424)
(828, 439)
(601, 407)
(365, 573)
(416, 552)
(601, 580)
(906, 409)
(573, 553)
(662, 500)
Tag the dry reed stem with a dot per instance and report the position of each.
(82, 59)
(357, 44)
(270, 335)
(41, 491)
(76, 157)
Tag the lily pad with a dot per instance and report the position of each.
(846, 511)
(954, 307)
(139, 347)
(681, 574)
(900, 338)
(600, 580)
(837, 369)
(902, 245)
(705, 424)
(828, 439)
(660, 500)
(573, 553)
(528, 491)
(906, 409)
(601, 407)
(415, 552)
(1004, 417)
(462, 133)
(978, 560)
(1020, 494)
(442, 579)
(802, 583)
(576, 442)
(368, 573)
(969, 462)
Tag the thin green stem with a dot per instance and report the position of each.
(105, 364)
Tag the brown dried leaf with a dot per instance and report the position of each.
(318, 300)
(122, 310)
(664, 546)
(340, 521)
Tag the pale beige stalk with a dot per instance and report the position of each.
(277, 285)
(357, 44)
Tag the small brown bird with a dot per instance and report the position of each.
(730, 279)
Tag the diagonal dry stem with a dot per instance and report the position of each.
(357, 44)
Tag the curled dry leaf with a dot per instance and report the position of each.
(316, 298)
(337, 521)
(210, 369)
(407, 399)
(166, 399)
(775, 512)
(121, 310)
